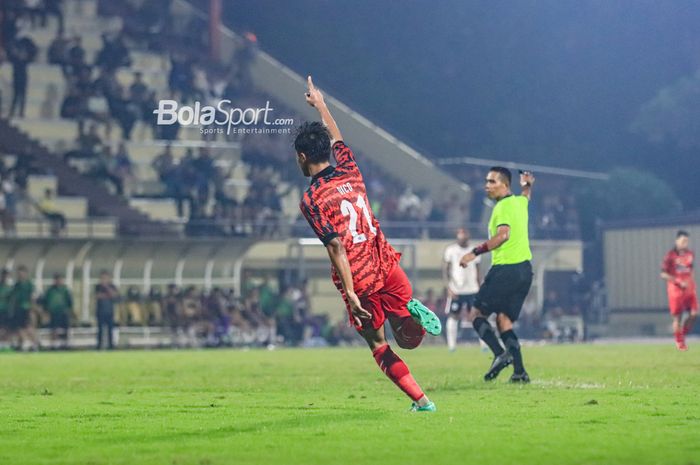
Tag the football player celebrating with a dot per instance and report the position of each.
(365, 268)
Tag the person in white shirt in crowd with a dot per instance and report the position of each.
(462, 285)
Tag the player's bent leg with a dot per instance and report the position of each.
(395, 368)
(424, 316)
(408, 333)
(485, 331)
(690, 322)
(678, 331)
(510, 340)
(501, 358)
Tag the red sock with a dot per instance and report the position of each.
(397, 371)
(679, 336)
(688, 325)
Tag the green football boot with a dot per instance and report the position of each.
(429, 407)
(424, 317)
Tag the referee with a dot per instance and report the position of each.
(508, 281)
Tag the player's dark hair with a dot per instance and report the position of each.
(682, 233)
(503, 172)
(313, 140)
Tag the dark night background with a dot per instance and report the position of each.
(593, 84)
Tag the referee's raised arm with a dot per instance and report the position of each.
(527, 179)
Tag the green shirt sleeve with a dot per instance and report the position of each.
(501, 215)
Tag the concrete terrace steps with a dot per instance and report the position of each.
(71, 182)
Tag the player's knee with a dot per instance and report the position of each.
(473, 314)
(503, 323)
(408, 343)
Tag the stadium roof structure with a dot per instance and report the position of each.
(692, 218)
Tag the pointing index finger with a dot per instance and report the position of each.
(310, 83)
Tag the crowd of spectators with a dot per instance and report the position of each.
(262, 315)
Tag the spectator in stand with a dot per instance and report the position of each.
(153, 309)
(8, 26)
(181, 78)
(122, 164)
(20, 54)
(113, 54)
(172, 311)
(191, 314)
(58, 50)
(76, 58)
(203, 170)
(89, 145)
(53, 8)
(58, 302)
(125, 111)
(47, 207)
(140, 96)
(106, 168)
(23, 321)
(106, 295)
(164, 165)
(134, 307)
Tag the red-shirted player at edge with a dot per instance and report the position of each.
(365, 268)
(677, 270)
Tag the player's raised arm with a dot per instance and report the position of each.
(527, 179)
(314, 97)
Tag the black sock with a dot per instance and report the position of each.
(488, 335)
(510, 340)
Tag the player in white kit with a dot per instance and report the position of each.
(462, 284)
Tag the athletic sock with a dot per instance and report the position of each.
(488, 335)
(451, 330)
(679, 336)
(688, 326)
(397, 371)
(510, 340)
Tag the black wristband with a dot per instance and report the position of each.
(478, 250)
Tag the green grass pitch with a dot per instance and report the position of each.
(588, 404)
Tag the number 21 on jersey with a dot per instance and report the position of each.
(348, 209)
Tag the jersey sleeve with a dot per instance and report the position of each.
(320, 224)
(501, 215)
(446, 255)
(342, 153)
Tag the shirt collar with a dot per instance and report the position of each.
(324, 172)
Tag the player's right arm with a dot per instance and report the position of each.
(339, 259)
(336, 252)
(314, 97)
(667, 272)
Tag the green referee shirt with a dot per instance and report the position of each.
(511, 211)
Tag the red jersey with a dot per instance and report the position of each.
(336, 205)
(680, 266)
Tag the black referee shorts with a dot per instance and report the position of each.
(505, 289)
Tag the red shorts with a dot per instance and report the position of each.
(389, 302)
(681, 300)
